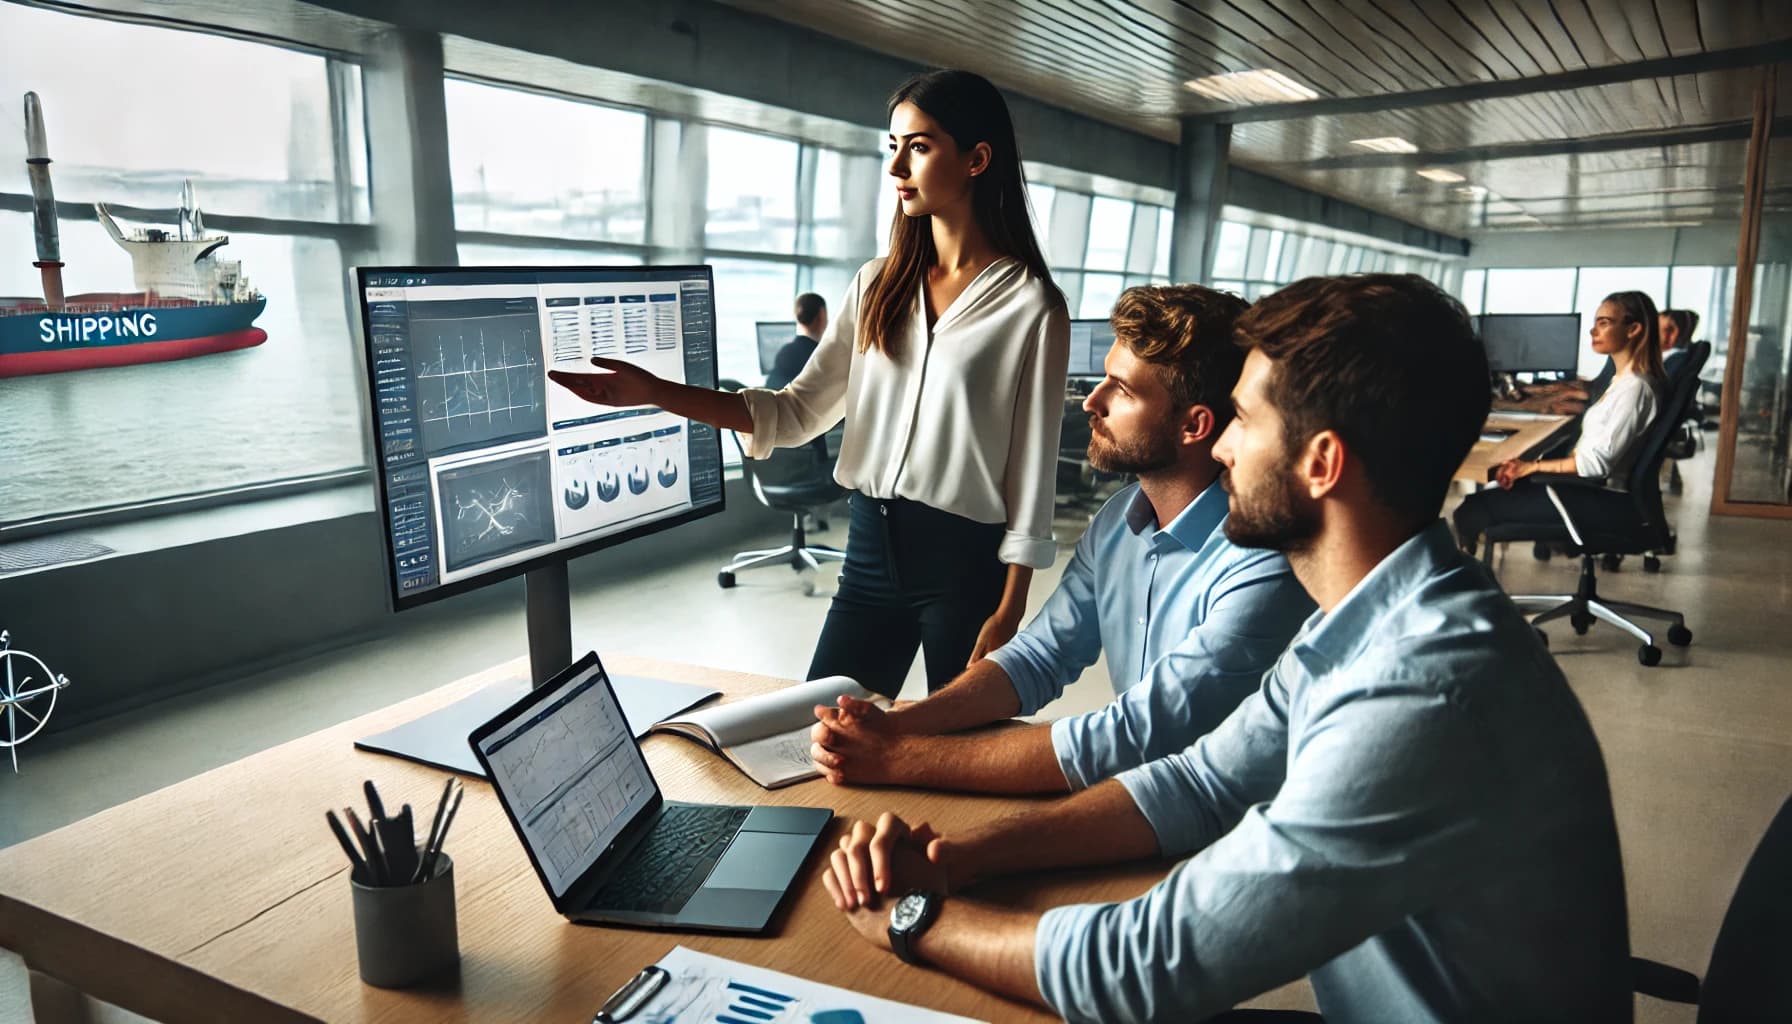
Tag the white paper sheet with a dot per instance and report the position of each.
(711, 990)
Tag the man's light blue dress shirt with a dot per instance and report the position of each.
(1189, 621)
(1412, 810)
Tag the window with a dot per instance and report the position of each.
(1110, 228)
(1166, 223)
(475, 254)
(249, 124)
(1099, 294)
(527, 164)
(264, 146)
(1523, 290)
(1474, 283)
(752, 192)
(748, 291)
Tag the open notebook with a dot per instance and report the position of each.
(767, 736)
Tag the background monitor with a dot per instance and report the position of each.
(1089, 344)
(773, 335)
(486, 468)
(1531, 342)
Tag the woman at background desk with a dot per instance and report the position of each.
(1628, 329)
(947, 359)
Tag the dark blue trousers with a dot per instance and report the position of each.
(914, 576)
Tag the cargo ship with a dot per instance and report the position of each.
(186, 301)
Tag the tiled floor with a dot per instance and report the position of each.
(1699, 749)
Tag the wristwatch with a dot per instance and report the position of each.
(911, 916)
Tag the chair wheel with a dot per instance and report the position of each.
(1649, 655)
(1611, 563)
(1541, 552)
(1581, 624)
(724, 579)
(1679, 636)
(1651, 563)
(1542, 637)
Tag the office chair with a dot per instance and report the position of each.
(1747, 978)
(795, 480)
(1611, 522)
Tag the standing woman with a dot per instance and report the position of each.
(947, 360)
(1628, 329)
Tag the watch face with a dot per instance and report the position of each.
(908, 911)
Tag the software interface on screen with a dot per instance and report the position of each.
(488, 464)
(572, 775)
(773, 335)
(1089, 344)
(1531, 343)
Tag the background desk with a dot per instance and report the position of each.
(225, 898)
(1534, 434)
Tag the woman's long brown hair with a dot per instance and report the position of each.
(1645, 354)
(970, 109)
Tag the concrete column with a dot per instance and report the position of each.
(407, 132)
(1200, 192)
(678, 190)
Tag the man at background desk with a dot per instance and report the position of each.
(811, 324)
(1189, 620)
(1412, 810)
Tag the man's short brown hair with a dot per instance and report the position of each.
(1390, 362)
(1185, 331)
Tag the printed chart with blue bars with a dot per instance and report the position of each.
(710, 990)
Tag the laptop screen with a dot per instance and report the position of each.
(571, 774)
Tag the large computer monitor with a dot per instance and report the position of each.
(1530, 342)
(487, 470)
(1089, 344)
(773, 335)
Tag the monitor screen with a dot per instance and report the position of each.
(487, 469)
(1530, 342)
(773, 335)
(1089, 344)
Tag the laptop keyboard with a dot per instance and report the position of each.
(672, 862)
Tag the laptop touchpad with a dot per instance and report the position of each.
(760, 860)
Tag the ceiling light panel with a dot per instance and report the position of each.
(1386, 144)
(1438, 174)
(1248, 87)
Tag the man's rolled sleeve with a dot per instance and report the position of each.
(1061, 641)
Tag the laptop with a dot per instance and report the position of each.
(608, 847)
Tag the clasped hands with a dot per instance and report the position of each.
(873, 863)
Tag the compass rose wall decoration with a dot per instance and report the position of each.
(27, 695)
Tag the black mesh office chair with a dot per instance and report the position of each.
(1747, 978)
(1608, 521)
(795, 480)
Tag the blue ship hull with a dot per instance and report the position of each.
(89, 335)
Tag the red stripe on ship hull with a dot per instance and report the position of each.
(24, 364)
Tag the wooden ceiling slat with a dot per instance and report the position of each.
(1418, 21)
(1592, 38)
(1244, 52)
(1204, 55)
(1340, 20)
(1327, 25)
(1287, 56)
(1394, 36)
(1485, 37)
(1315, 43)
(1523, 34)
(1680, 25)
(1543, 19)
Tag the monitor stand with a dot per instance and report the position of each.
(439, 739)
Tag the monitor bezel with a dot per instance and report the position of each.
(405, 602)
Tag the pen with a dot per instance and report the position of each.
(348, 845)
(375, 809)
(435, 826)
(369, 846)
(632, 996)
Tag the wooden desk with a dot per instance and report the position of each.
(1534, 434)
(225, 898)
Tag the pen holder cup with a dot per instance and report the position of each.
(405, 934)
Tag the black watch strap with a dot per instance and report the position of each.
(902, 940)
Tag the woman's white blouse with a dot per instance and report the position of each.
(964, 419)
(1612, 426)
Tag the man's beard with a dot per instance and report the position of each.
(1145, 455)
(1273, 516)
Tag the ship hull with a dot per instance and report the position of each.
(41, 341)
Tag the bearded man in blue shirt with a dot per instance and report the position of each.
(1188, 620)
(1412, 810)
